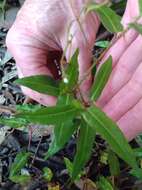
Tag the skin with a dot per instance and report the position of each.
(41, 31)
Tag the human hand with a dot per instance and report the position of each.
(122, 97)
(40, 34)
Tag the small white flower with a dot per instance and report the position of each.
(65, 80)
(25, 172)
(70, 38)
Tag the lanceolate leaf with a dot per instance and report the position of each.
(50, 115)
(19, 162)
(62, 131)
(13, 122)
(53, 148)
(102, 44)
(40, 83)
(61, 137)
(71, 74)
(22, 179)
(103, 125)
(69, 166)
(84, 148)
(108, 17)
(101, 79)
(27, 107)
(140, 6)
(137, 173)
(113, 164)
(47, 174)
(137, 27)
(104, 184)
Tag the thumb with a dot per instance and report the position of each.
(31, 58)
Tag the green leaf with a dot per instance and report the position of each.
(40, 83)
(62, 131)
(53, 148)
(137, 27)
(71, 74)
(102, 44)
(94, 69)
(69, 166)
(113, 162)
(62, 134)
(13, 122)
(22, 179)
(51, 115)
(47, 174)
(104, 157)
(104, 184)
(27, 107)
(101, 79)
(19, 162)
(84, 148)
(108, 17)
(140, 6)
(138, 152)
(109, 130)
(137, 173)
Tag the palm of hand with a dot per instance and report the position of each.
(42, 28)
(122, 97)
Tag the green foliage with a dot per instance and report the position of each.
(140, 7)
(14, 122)
(41, 83)
(109, 130)
(47, 174)
(15, 170)
(27, 107)
(84, 148)
(101, 79)
(108, 17)
(137, 27)
(2, 9)
(22, 179)
(137, 173)
(50, 115)
(138, 152)
(113, 164)
(73, 114)
(69, 166)
(70, 75)
(104, 184)
(102, 44)
(63, 130)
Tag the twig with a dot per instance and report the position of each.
(7, 109)
(36, 151)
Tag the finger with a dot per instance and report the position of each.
(127, 97)
(120, 52)
(31, 58)
(123, 71)
(130, 123)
